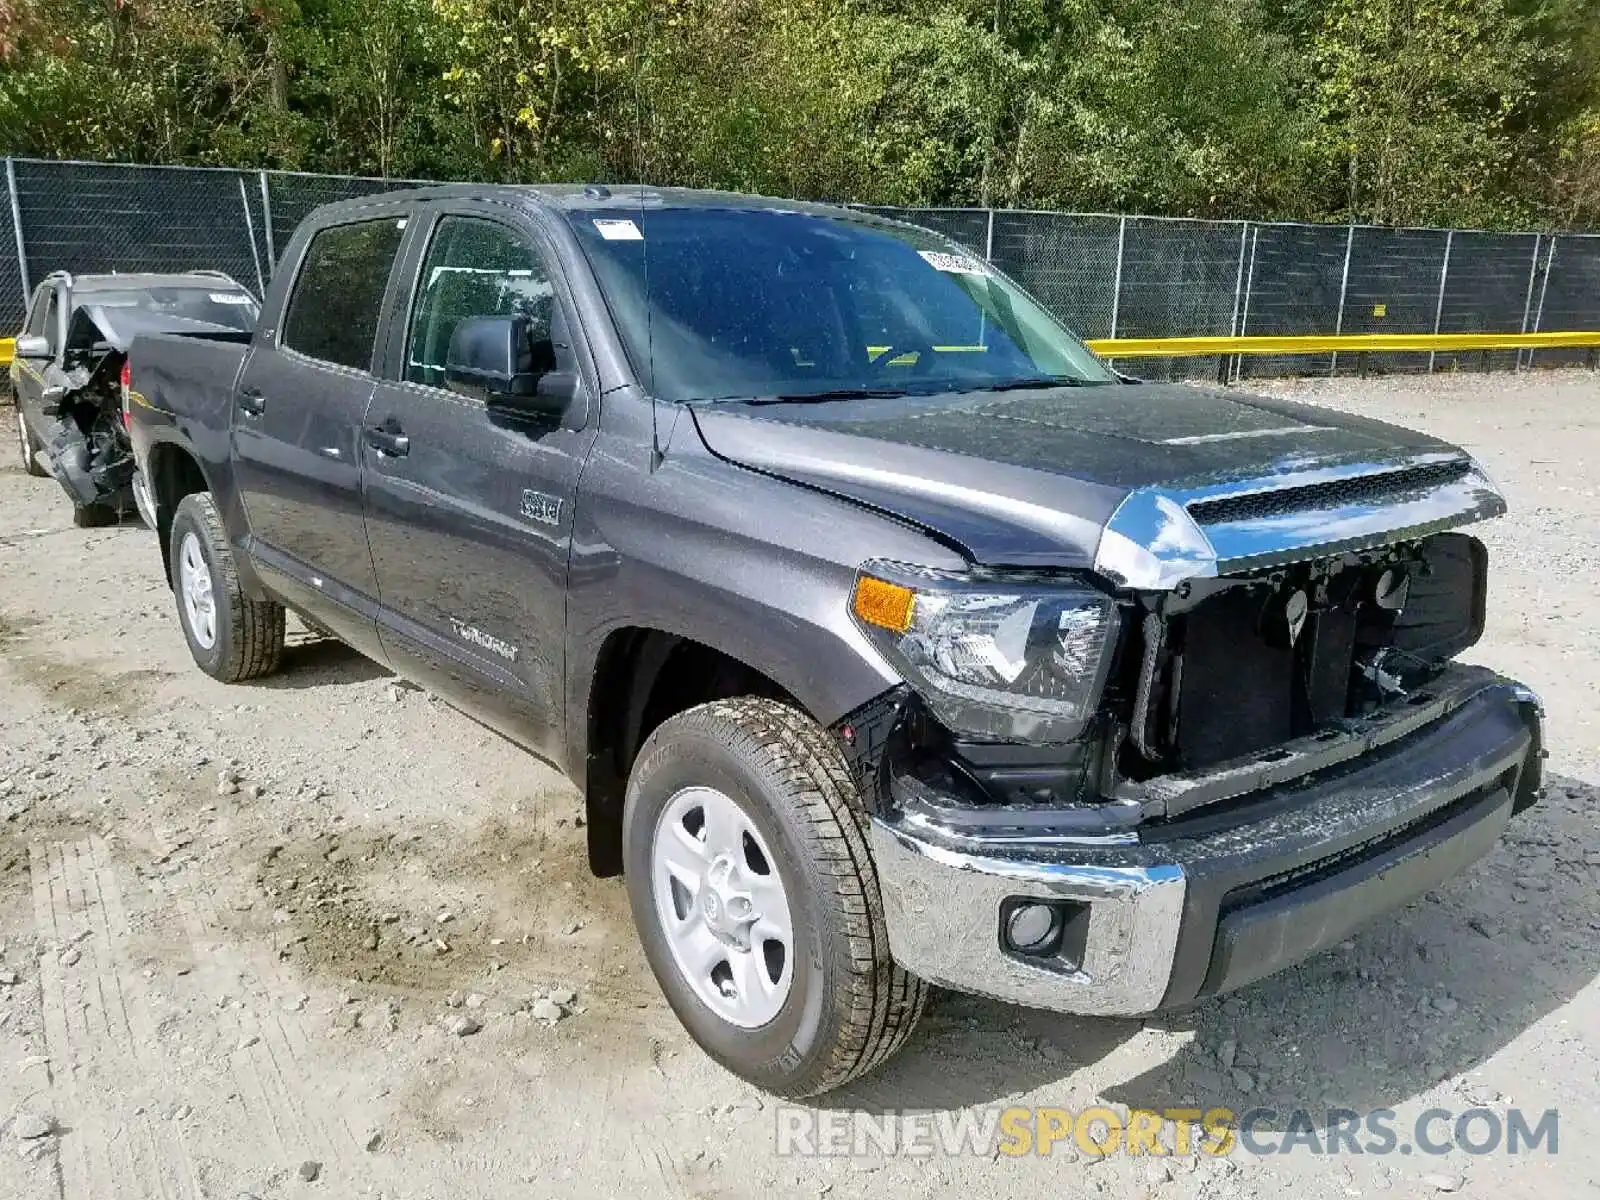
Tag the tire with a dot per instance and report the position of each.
(94, 516)
(233, 638)
(143, 500)
(835, 1006)
(28, 446)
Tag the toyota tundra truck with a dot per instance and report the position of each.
(891, 637)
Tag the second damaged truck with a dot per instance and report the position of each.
(891, 637)
(69, 376)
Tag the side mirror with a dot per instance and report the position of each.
(31, 345)
(490, 356)
(496, 360)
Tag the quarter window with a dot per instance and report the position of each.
(333, 312)
(473, 269)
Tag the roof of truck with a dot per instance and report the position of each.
(590, 197)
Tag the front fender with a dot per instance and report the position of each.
(752, 566)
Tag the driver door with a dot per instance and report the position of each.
(470, 510)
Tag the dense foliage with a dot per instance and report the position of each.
(1464, 112)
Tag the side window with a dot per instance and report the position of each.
(42, 320)
(473, 269)
(334, 309)
(35, 323)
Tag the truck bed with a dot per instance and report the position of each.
(188, 375)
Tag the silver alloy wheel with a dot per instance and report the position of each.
(194, 585)
(722, 906)
(24, 442)
(143, 501)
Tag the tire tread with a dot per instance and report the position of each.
(256, 627)
(880, 1003)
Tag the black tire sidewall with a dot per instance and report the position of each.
(784, 1050)
(187, 520)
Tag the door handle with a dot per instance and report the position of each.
(252, 403)
(387, 440)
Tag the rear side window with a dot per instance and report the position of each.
(42, 321)
(333, 311)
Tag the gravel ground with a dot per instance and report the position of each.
(324, 936)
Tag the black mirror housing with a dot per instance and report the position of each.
(495, 359)
(491, 356)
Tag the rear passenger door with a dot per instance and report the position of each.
(469, 509)
(296, 425)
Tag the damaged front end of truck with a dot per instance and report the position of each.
(83, 404)
(1275, 740)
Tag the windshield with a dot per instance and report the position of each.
(218, 305)
(720, 303)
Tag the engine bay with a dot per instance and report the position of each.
(1228, 667)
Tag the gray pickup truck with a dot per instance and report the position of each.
(891, 638)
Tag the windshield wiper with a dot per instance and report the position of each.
(856, 393)
(1031, 382)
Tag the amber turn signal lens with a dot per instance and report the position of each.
(886, 605)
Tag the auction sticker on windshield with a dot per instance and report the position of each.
(619, 231)
(956, 264)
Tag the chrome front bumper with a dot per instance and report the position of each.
(943, 907)
(1176, 915)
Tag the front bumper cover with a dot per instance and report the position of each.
(1227, 893)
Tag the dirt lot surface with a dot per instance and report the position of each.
(307, 937)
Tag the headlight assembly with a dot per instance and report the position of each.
(994, 659)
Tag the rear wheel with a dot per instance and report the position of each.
(757, 900)
(28, 446)
(231, 637)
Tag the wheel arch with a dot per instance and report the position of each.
(173, 472)
(642, 676)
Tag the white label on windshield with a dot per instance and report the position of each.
(956, 264)
(619, 231)
(229, 298)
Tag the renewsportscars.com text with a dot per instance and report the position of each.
(1099, 1131)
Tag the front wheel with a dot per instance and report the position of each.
(757, 901)
(231, 637)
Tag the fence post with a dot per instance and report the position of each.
(1344, 288)
(1244, 306)
(1226, 367)
(1544, 286)
(1116, 286)
(988, 240)
(250, 231)
(1527, 300)
(16, 228)
(1438, 308)
(266, 225)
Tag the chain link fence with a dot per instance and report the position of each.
(1105, 276)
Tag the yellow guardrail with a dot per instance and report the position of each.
(1356, 343)
(7, 348)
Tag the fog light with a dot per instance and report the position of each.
(1033, 928)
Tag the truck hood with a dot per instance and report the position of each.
(1125, 480)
